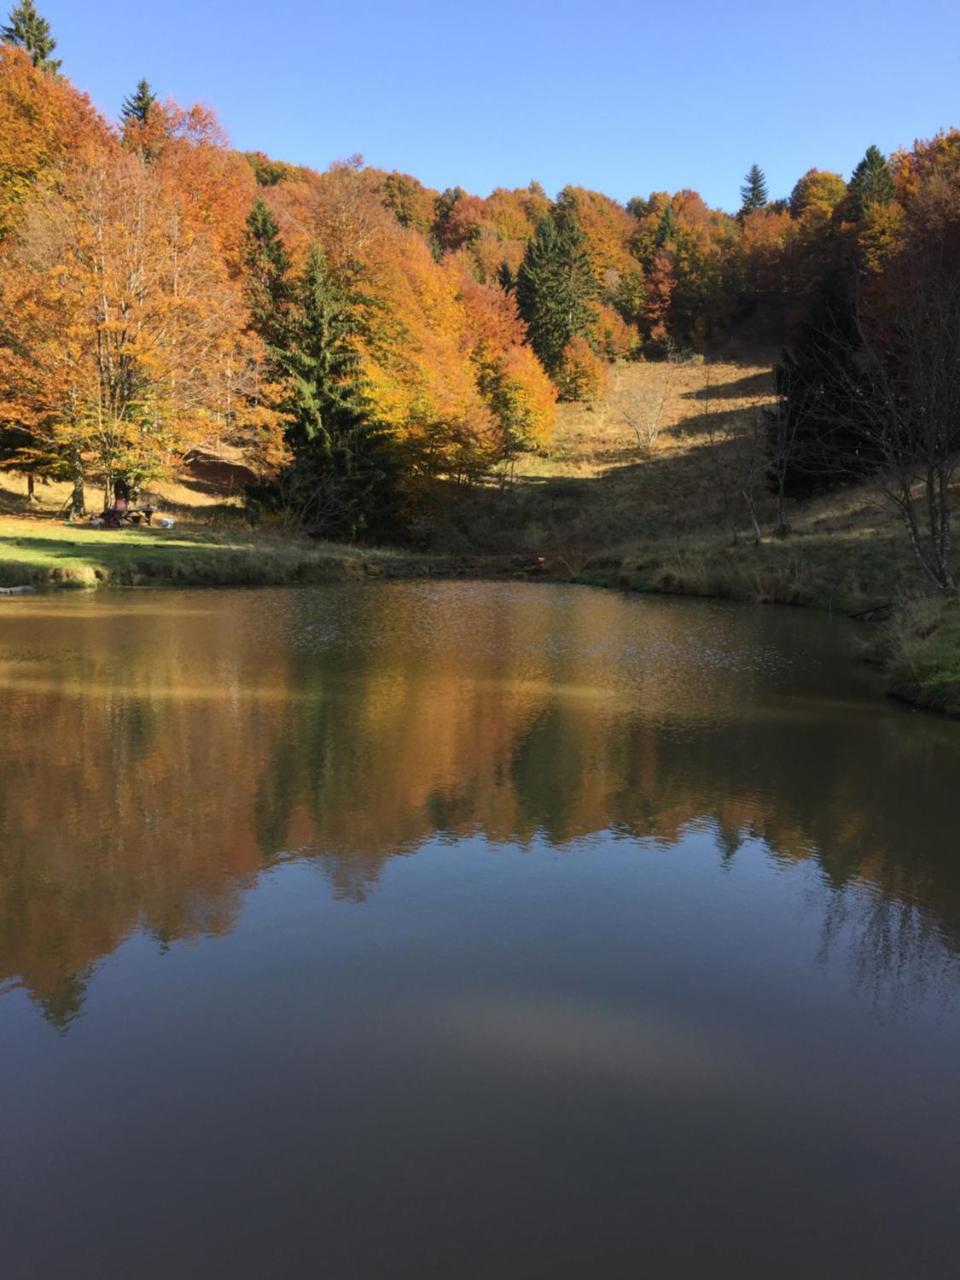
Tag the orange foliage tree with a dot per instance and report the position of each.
(128, 326)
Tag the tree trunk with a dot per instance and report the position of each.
(78, 503)
(782, 527)
(916, 540)
(757, 535)
(31, 483)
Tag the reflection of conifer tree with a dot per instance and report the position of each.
(61, 1006)
(547, 771)
(729, 841)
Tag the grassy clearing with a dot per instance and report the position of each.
(45, 554)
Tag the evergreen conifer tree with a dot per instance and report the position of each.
(872, 183)
(139, 104)
(667, 229)
(29, 31)
(269, 288)
(342, 480)
(327, 403)
(556, 285)
(753, 193)
(823, 393)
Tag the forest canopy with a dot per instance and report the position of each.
(361, 337)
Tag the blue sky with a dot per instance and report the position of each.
(621, 96)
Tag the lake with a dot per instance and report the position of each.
(470, 930)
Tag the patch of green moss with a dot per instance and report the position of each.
(926, 670)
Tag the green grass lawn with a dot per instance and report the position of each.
(49, 554)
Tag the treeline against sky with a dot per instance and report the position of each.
(360, 335)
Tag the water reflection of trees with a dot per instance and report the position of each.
(894, 949)
(156, 761)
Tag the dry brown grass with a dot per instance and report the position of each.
(669, 487)
(591, 441)
(612, 501)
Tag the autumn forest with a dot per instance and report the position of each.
(430, 845)
(363, 339)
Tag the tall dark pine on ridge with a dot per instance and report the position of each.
(753, 193)
(29, 31)
(872, 183)
(139, 104)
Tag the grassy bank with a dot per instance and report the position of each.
(45, 554)
(921, 649)
(849, 575)
(832, 574)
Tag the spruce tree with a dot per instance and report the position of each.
(556, 285)
(327, 403)
(667, 228)
(630, 298)
(29, 31)
(269, 288)
(753, 193)
(342, 480)
(824, 393)
(872, 183)
(139, 105)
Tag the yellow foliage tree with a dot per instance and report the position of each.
(128, 344)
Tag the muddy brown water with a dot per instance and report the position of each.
(470, 930)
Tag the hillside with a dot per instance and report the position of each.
(643, 485)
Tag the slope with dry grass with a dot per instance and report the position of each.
(658, 486)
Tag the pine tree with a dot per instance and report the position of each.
(872, 183)
(630, 297)
(327, 402)
(556, 285)
(823, 392)
(269, 288)
(753, 193)
(342, 481)
(31, 32)
(667, 229)
(139, 105)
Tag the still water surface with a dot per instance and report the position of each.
(470, 930)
